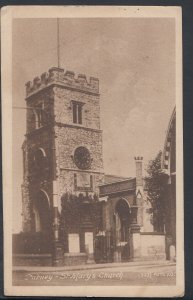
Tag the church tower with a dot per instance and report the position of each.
(62, 155)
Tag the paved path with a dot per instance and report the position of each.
(131, 273)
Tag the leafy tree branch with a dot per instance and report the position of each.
(155, 183)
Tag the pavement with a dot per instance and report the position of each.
(131, 264)
(109, 274)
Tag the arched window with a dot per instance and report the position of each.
(39, 116)
(77, 112)
(39, 157)
(40, 161)
(42, 213)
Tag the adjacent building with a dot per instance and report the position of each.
(169, 166)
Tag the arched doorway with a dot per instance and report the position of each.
(42, 214)
(122, 230)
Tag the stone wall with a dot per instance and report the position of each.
(63, 102)
(152, 246)
(44, 98)
(53, 95)
(69, 138)
(35, 181)
(26, 207)
(75, 259)
(66, 182)
(32, 260)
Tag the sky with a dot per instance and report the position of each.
(134, 59)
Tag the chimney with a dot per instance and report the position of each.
(139, 176)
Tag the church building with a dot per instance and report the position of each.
(169, 167)
(75, 213)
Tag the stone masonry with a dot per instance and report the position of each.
(58, 137)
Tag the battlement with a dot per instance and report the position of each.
(66, 79)
(138, 158)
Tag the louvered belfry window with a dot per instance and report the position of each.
(77, 112)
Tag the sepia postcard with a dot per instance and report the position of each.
(92, 151)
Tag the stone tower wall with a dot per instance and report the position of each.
(63, 99)
(56, 90)
(46, 98)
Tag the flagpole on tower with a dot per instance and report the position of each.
(58, 42)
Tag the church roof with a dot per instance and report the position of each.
(114, 178)
(116, 184)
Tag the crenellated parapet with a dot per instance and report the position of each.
(138, 158)
(64, 78)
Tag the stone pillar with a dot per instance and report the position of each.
(135, 242)
(27, 216)
(117, 256)
(27, 208)
(90, 256)
(57, 255)
(55, 211)
(139, 173)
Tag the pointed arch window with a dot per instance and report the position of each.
(41, 163)
(39, 116)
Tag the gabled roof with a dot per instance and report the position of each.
(114, 178)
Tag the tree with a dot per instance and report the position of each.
(78, 210)
(155, 183)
